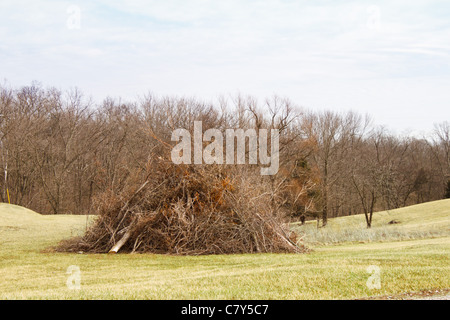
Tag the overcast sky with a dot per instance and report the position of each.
(390, 59)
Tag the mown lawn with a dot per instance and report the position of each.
(28, 270)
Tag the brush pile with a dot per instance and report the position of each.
(186, 210)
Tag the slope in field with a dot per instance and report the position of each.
(19, 225)
(424, 220)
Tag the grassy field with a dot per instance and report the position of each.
(427, 220)
(29, 270)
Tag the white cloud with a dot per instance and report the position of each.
(320, 55)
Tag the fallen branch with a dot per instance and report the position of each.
(122, 241)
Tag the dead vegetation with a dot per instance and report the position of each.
(187, 209)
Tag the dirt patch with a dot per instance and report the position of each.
(9, 228)
(441, 294)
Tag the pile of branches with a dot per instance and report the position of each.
(186, 209)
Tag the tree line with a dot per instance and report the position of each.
(60, 150)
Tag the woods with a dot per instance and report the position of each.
(62, 153)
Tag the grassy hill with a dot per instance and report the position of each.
(24, 229)
(29, 271)
(427, 220)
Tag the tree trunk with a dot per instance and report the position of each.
(122, 241)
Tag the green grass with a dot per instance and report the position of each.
(28, 270)
(428, 220)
